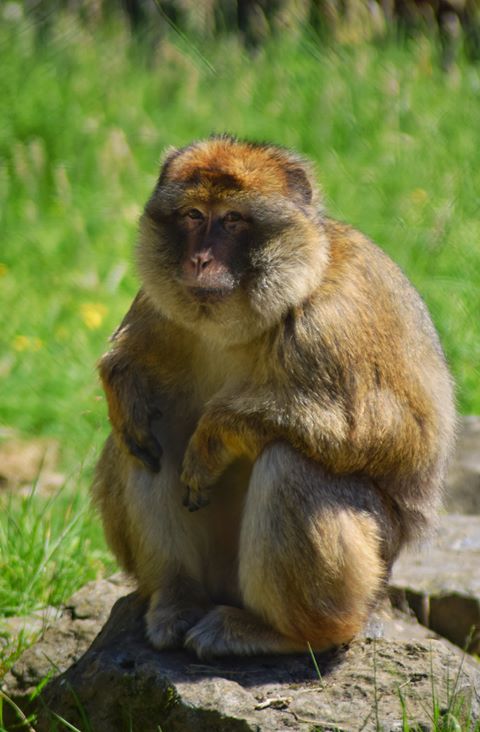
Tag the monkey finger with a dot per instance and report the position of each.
(194, 500)
(154, 448)
(199, 503)
(155, 421)
(149, 454)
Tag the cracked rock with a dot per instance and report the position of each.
(122, 683)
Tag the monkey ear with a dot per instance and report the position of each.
(168, 157)
(299, 184)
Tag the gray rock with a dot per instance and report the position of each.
(117, 682)
(64, 642)
(30, 626)
(121, 683)
(463, 482)
(440, 581)
(392, 623)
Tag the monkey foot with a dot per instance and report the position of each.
(229, 630)
(167, 628)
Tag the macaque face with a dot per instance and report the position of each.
(231, 237)
(213, 240)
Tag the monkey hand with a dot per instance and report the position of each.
(201, 468)
(141, 441)
(197, 480)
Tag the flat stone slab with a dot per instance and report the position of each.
(122, 684)
(463, 481)
(440, 581)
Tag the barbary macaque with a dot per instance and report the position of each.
(279, 372)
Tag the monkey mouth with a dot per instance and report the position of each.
(208, 290)
(210, 294)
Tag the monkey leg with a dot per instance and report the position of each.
(166, 541)
(177, 605)
(184, 562)
(313, 559)
(229, 630)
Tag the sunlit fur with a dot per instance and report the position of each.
(311, 408)
(282, 272)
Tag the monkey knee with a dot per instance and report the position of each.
(322, 632)
(320, 586)
(321, 627)
(335, 615)
(331, 618)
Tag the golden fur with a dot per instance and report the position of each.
(312, 408)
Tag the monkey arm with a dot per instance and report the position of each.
(132, 411)
(131, 386)
(242, 422)
(222, 434)
(377, 438)
(242, 426)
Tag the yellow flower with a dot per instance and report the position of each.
(3, 269)
(26, 343)
(419, 196)
(20, 343)
(93, 314)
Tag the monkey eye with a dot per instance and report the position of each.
(193, 213)
(232, 217)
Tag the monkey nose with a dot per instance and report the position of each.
(200, 262)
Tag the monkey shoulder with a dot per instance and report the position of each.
(363, 329)
(148, 353)
(363, 286)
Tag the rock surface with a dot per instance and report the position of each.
(69, 635)
(440, 582)
(121, 683)
(32, 624)
(462, 493)
(117, 682)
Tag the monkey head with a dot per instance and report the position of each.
(231, 237)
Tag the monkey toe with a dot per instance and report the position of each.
(207, 637)
(163, 635)
(168, 629)
(229, 630)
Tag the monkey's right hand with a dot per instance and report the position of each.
(140, 440)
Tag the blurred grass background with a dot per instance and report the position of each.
(86, 109)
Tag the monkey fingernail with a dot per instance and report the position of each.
(150, 461)
(198, 505)
(154, 450)
(195, 501)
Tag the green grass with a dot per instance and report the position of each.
(84, 118)
(48, 548)
(84, 121)
(52, 547)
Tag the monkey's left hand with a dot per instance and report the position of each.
(205, 460)
(221, 436)
(200, 470)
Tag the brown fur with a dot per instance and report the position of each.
(311, 407)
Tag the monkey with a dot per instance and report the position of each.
(282, 412)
